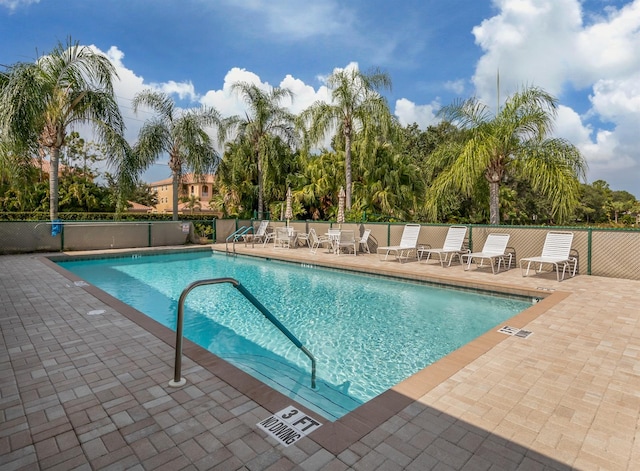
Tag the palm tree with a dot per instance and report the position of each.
(264, 123)
(355, 106)
(182, 135)
(513, 142)
(40, 101)
(192, 203)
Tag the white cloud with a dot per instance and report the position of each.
(304, 95)
(409, 113)
(13, 5)
(522, 43)
(184, 90)
(614, 99)
(551, 44)
(569, 126)
(456, 86)
(225, 100)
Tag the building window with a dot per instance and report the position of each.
(205, 190)
(193, 189)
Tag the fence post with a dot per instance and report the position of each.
(589, 233)
(149, 229)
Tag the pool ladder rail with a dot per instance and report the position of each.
(237, 235)
(178, 380)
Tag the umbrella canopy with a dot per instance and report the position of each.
(341, 197)
(288, 213)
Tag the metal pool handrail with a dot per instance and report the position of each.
(178, 380)
(235, 236)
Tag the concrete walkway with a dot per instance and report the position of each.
(84, 385)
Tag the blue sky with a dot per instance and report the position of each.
(436, 51)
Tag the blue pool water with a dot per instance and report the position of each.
(367, 333)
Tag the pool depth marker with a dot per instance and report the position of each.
(289, 425)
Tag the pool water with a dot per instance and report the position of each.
(367, 333)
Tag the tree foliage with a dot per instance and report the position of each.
(40, 101)
(356, 108)
(514, 142)
(472, 167)
(183, 135)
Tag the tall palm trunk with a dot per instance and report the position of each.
(175, 197)
(347, 167)
(494, 202)
(260, 189)
(175, 165)
(53, 182)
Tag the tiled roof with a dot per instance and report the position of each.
(186, 179)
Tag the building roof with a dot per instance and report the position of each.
(186, 179)
(137, 207)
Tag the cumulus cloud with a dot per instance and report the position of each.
(225, 100)
(551, 44)
(409, 113)
(184, 90)
(615, 98)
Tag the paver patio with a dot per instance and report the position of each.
(80, 389)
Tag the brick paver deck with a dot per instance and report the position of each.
(86, 389)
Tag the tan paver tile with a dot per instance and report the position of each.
(562, 397)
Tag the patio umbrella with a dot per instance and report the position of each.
(288, 213)
(341, 197)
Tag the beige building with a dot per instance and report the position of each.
(201, 189)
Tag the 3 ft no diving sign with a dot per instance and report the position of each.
(289, 425)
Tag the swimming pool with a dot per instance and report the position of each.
(367, 333)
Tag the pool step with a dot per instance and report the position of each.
(327, 399)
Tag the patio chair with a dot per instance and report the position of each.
(334, 236)
(364, 241)
(261, 234)
(452, 246)
(408, 244)
(303, 238)
(494, 250)
(347, 240)
(556, 252)
(316, 241)
(284, 237)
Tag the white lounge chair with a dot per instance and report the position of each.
(452, 246)
(316, 241)
(261, 234)
(364, 241)
(347, 240)
(557, 252)
(408, 244)
(494, 250)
